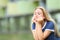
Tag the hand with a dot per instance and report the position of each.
(40, 19)
(34, 19)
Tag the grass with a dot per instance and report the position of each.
(20, 36)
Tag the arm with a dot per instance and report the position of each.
(35, 34)
(42, 35)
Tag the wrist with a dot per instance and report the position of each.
(38, 25)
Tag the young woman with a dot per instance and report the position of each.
(43, 25)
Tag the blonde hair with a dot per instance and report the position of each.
(48, 17)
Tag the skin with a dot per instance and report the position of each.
(38, 18)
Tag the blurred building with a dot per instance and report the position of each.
(15, 15)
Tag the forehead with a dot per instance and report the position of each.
(38, 10)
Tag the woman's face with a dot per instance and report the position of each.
(39, 14)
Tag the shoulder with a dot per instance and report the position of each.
(50, 26)
(50, 23)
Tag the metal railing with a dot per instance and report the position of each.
(6, 26)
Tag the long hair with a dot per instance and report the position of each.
(48, 18)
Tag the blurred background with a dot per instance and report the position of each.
(15, 17)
